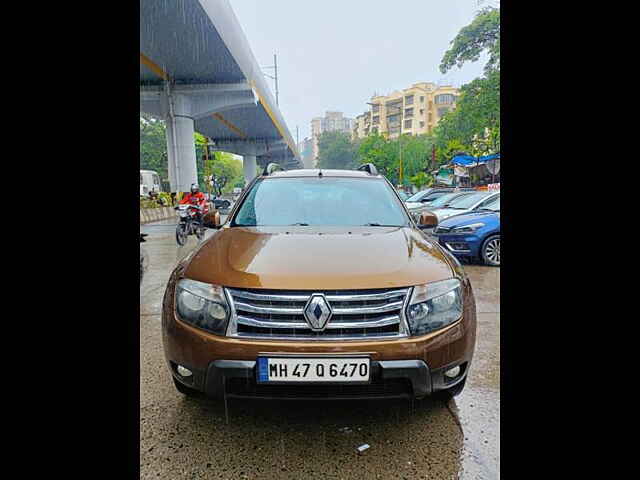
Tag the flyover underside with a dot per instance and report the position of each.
(198, 73)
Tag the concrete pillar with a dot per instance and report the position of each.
(181, 146)
(249, 166)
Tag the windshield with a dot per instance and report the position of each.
(320, 201)
(443, 200)
(468, 201)
(416, 196)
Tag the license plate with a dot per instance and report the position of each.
(313, 370)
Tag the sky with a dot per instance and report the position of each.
(333, 55)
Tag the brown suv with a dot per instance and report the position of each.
(319, 285)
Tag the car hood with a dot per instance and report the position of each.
(468, 218)
(330, 258)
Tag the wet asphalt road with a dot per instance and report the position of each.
(183, 438)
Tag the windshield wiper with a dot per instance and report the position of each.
(299, 224)
(373, 224)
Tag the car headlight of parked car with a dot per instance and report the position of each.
(202, 305)
(467, 228)
(434, 306)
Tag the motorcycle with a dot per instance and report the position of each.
(189, 223)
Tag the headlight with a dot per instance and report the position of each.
(434, 306)
(202, 305)
(468, 228)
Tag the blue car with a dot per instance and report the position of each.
(473, 235)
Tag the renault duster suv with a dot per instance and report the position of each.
(319, 285)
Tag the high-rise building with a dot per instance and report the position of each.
(305, 147)
(414, 110)
(331, 122)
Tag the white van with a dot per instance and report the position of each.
(149, 181)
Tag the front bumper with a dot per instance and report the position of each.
(389, 379)
(407, 366)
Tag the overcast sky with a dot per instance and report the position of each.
(334, 54)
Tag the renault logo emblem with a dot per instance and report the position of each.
(317, 312)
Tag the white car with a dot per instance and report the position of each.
(465, 204)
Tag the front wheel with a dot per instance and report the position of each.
(181, 234)
(491, 251)
(199, 232)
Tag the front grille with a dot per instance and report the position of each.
(388, 388)
(357, 314)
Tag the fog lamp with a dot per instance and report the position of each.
(453, 372)
(185, 372)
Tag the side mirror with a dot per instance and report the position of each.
(427, 220)
(212, 220)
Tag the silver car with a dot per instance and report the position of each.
(465, 204)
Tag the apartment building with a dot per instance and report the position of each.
(331, 122)
(414, 111)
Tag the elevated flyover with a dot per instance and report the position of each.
(198, 73)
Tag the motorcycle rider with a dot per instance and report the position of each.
(196, 197)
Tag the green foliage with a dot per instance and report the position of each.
(384, 153)
(336, 150)
(226, 170)
(421, 180)
(153, 146)
(477, 115)
(483, 34)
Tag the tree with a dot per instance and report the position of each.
(335, 150)
(153, 146)
(475, 122)
(384, 153)
(226, 170)
(421, 179)
(477, 114)
(482, 34)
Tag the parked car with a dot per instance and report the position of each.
(425, 197)
(218, 203)
(320, 285)
(465, 204)
(439, 202)
(403, 195)
(473, 235)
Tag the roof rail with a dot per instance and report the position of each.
(370, 168)
(270, 168)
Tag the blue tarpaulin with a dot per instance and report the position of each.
(471, 161)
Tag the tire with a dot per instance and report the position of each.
(451, 392)
(490, 251)
(226, 205)
(189, 392)
(181, 236)
(199, 232)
